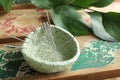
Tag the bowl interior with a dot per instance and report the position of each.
(39, 46)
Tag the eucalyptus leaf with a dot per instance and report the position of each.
(69, 19)
(6, 4)
(102, 3)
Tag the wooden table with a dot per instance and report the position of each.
(94, 73)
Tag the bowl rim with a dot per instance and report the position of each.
(71, 60)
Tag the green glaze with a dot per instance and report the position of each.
(96, 54)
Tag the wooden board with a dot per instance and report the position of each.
(19, 22)
(93, 73)
(108, 71)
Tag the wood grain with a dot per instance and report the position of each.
(19, 23)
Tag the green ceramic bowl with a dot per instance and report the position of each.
(42, 57)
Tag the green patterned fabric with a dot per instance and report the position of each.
(94, 54)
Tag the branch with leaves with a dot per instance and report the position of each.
(64, 14)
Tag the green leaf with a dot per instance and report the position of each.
(50, 3)
(78, 4)
(69, 19)
(6, 4)
(102, 3)
(111, 22)
(82, 3)
(98, 28)
(106, 25)
(21, 1)
(57, 3)
(41, 3)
